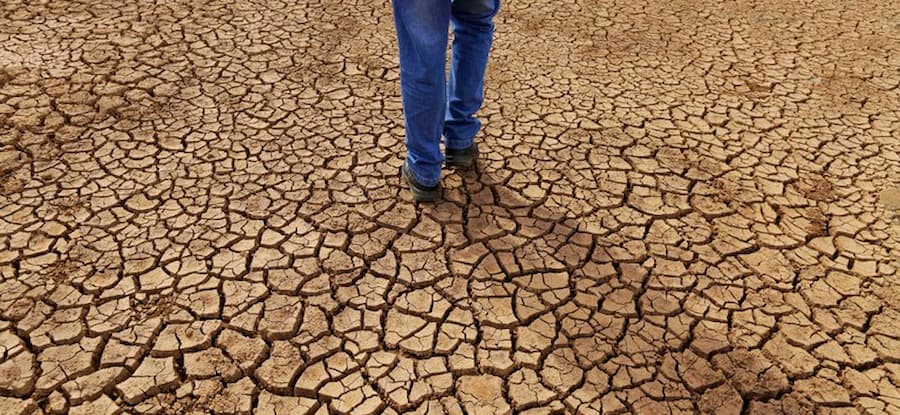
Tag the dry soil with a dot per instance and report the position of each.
(682, 207)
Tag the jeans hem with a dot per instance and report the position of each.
(420, 179)
(458, 144)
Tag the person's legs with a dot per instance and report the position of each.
(422, 38)
(473, 30)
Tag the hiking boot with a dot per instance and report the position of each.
(420, 193)
(462, 158)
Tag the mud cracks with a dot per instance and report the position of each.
(681, 207)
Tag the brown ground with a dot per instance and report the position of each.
(683, 206)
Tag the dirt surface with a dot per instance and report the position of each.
(682, 207)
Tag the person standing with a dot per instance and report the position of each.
(434, 105)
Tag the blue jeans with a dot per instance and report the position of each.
(432, 104)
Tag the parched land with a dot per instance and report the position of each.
(681, 207)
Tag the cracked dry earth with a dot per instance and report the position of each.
(682, 207)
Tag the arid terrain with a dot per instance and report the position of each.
(681, 207)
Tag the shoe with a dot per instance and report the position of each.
(461, 158)
(420, 193)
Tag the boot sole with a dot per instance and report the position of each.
(460, 164)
